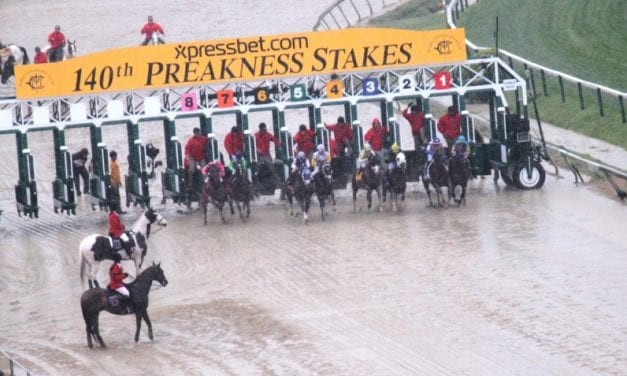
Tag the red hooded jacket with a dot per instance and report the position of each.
(416, 120)
(234, 142)
(304, 141)
(450, 126)
(376, 135)
(263, 140)
(116, 227)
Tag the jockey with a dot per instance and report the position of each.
(237, 158)
(396, 157)
(367, 155)
(460, 149)
(117, 229)
(434, 150)
(300, 162)
(319, 158)
(117, 275)
(205, 169)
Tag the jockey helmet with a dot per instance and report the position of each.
(461, 139)
(234, 158)
(320, 148)
(306, 174)
(301, 155)
(395, 148)
(367, 146)
(436, 141)
(238, 154)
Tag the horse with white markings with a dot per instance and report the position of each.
(95, 248)
(10, 56)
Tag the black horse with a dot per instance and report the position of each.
(436, 175)
(7, 70)
(300, 187)
(396, 183)
(241, 191)
(323, 186)
(95, 300)
(215, 192)
(459, 172)
(194, 186)
(371, 180)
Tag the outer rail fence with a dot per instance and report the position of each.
(346, 13)
(453, 10)
(14, 369)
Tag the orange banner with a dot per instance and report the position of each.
(240, 59)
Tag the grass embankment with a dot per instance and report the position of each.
(583, 38)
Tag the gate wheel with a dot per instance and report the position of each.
(534, 180)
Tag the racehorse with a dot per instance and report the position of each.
(56, 54)
(396, 183)
(241, 191)
(439, 178)
(323, 186)
(95, 248)
(459, 172)
(371, 181)
(194, 185)
(300, 187)
(214, 192)
(11, 55)
(95, 300)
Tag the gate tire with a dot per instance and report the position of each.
(538, 175)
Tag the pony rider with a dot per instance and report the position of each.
(116, 277)
(117, 230)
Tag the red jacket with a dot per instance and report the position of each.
(343, 133)
(196, 146)
(116, 276)
(40, 58)
(234, 142)
(450, 126)
(375, 137)
(263, 142)
(56, 39)
(305, 141)
(416, 120)
(116, 227)
(150, 28)
(334, 151)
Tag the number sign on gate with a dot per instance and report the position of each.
(370, 86)
(298, 93)
(189, 102)
(442, 80)
(334, 89)
(261, 95)
(407, 83)
(224, 98)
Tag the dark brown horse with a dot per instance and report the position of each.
(459, 173)
(435, 174)
(395, 183)
(300, 187)
(241, 191)
(95, 300)
(323, 186)
(371, 180)
(215, 192)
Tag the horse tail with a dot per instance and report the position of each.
(25, 59)
(83, 262)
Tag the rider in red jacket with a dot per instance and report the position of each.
(57, 42)
(117, 229)
(150, 28)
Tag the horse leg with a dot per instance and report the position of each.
(93, 271)
(369, 198)
(204, 210)
(321, 201)
(354, 199)
(88, 328)
(239, 209)
(138, 325)
(247, 208)
(148, 324)
(96, 330)
(232, 209)
(379, 198)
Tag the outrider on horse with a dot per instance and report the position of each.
(93, 301)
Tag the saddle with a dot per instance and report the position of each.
(119, 302)
(116, 244)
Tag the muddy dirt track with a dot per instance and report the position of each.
(515, 282)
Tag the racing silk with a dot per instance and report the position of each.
(242, 161)
(205, 169)
(376, 137)
(416, 120)
(450, 126)
(397, 159)
(195, 147)
(460, 149)
(116, 227)
(319, 158)
(116, 276)
(304, 141)
(300, 164)
(342, 132)
(234, 142)
(432, 150)
(364, 154)
(263, 139)
(56, 39)
(150, 28)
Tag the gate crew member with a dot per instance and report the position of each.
(376, 137)
(262, 140)
(304, 140)
(416, 119)
(234, 142)
(449, 125)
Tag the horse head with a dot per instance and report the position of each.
(159, 275)
(71, 49)
(326, 169)
(8, 70)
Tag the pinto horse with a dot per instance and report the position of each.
(95, 248)
(241, 191)
(459, 172)
(396, 183)
(11, 55)
(300, 187)
(95, 300)
(371, 180)
(215, 192)
(435, 174)
(323, 186)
